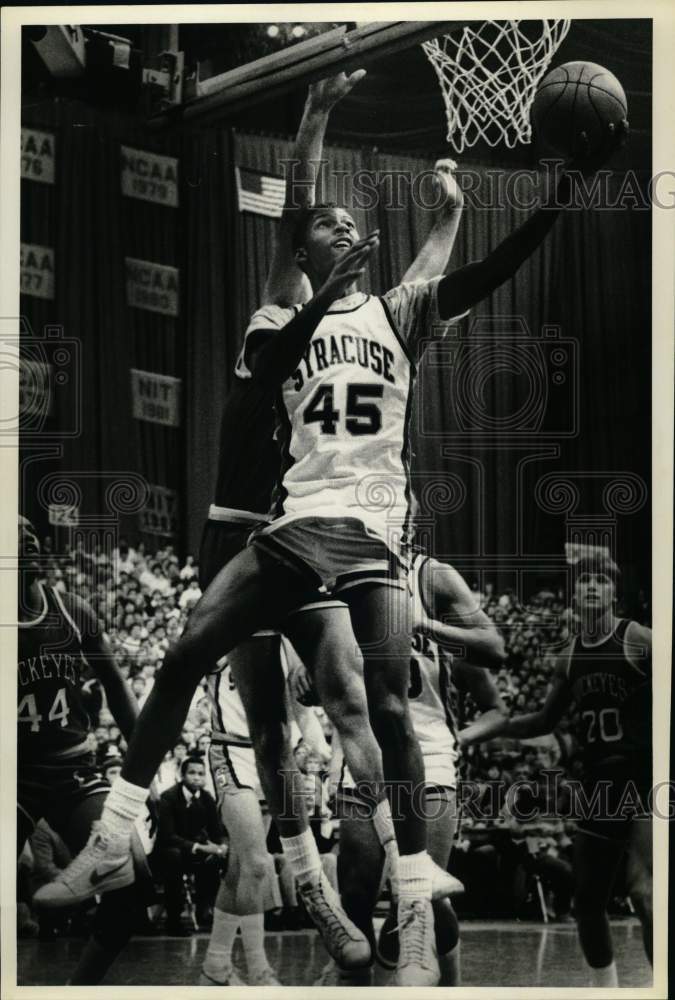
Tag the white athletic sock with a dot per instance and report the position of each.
(384, 828)
(224, 931)
(303, 857)
(253, 940)
(124, 804)
(607, 976)
(414, 880)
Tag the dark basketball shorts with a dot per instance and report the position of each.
(613, 796)
(333, 553)
(223, 539)
(52, 790)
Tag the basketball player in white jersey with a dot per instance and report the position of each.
(445, 615)
(250, 880)
(342, 367)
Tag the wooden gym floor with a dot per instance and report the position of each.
(493, 954)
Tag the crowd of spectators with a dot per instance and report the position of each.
(144, 598)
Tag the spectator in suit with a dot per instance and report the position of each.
(189, 840)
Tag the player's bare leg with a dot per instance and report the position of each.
(260, 682)
(240, 899)
(596, 862)
(256, 668)
(325, 643)
(640, 879)
(380, 621)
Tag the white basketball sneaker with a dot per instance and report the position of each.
(343, 940)
(418, 962)
(103, 864)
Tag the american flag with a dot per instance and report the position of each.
(260, 193)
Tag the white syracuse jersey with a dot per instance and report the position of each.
(430, 691)
(228, 718)
(343, 416)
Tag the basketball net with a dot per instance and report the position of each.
(489, 75)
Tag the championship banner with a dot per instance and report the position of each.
(155, 398)
(64, 515)
(152, 286)
(35, 395)
(37, 155)
(160, 514)
(149, 176)
(37, 271)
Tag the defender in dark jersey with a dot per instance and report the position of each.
(605, 673)
(56, 775)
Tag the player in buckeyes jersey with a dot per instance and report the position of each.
(604, 672)
(57, 778)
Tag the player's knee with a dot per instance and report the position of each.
(256, 865)
(349, 712)
(390, 712)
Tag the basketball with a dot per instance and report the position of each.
(574, 98)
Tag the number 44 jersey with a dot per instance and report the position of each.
(343, 416)
(52, 718)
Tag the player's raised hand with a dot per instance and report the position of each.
(325, 94)
(444, 177)
(349, 267)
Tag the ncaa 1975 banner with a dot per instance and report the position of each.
(37, 271)
(37, 155)
(155, 398)
(152, 286)
(149, 176)
(160, 514)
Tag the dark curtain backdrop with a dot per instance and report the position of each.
(478, 471)
(92, 228)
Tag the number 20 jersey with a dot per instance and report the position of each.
(343, 416)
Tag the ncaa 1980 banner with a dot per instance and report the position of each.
(149, 176)
(152, 286)
(160, 514)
